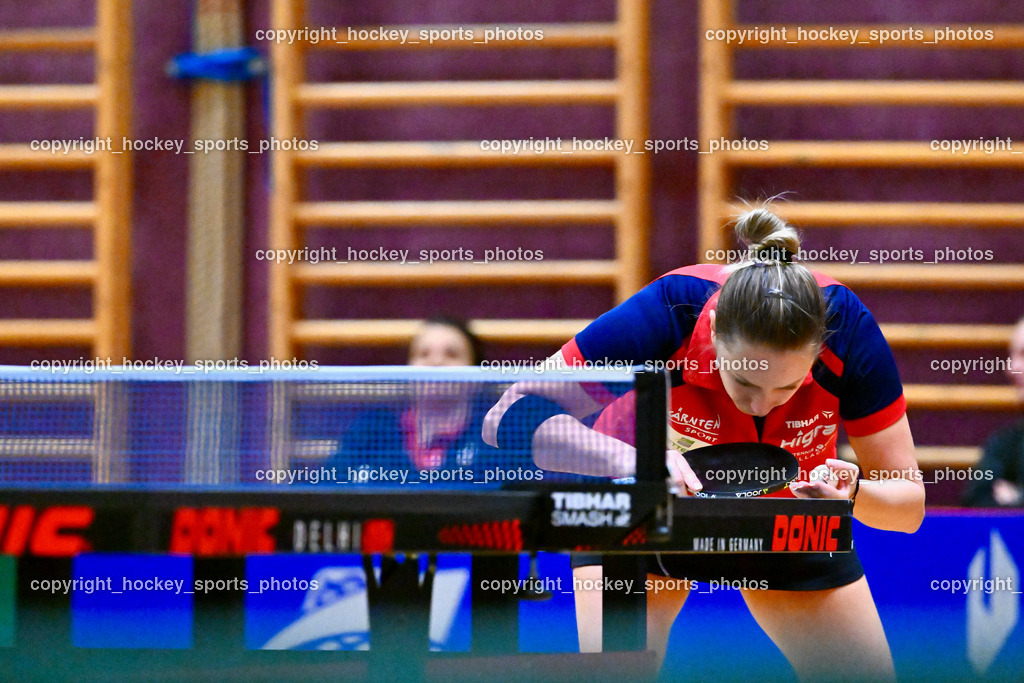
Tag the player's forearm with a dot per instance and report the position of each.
(891, 494)
(564, 444)
(893, 505)
(569, 395)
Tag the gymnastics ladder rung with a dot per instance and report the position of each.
(48, 96)
(415, 213)
(47, 214)
(456, 93)
(560, 35)
(399, 332)
(946, 336)
(784, 93)
(48, 332)
(458, 273)
(446, 155)
(40, 273)
(811, 214)
(961, 397)
(975, 36)
(925, 276)
(55, 39)
(846, 154)
(23, 157)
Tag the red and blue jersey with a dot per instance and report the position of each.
(667, 324)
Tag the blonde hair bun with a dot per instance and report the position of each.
(762, 230)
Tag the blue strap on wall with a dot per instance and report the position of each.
(231, 64)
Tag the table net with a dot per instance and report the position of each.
(379, 426)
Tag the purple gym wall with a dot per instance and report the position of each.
(163, 30)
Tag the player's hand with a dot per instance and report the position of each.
(835, 479)
(680, 474)
(1006, 493)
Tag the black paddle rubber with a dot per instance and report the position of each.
(742, 470)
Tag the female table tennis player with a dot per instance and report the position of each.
(767, 351)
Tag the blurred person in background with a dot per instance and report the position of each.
(1003, 456)
(433, 434)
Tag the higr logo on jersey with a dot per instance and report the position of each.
(591, 509)
(704, 427)
(804, 440)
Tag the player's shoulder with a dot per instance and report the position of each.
(705, 272)
(835, 291)
(845, 309)
(691, 285)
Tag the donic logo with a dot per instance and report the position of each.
(988, 627)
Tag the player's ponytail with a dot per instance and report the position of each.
(768, 299)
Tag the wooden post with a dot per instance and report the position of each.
(216, 196)
(632, 172)
(112, 182)
(715, 123)
(286, 74)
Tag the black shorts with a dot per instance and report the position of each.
(773, 571)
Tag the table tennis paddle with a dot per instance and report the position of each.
(742, 470)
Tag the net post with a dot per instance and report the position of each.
(624, 613)
(651, 412)
(495, 629)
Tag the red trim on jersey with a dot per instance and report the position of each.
(876, 422)
(571, 354)
(700, 352)
(831, 361)
(824, 280)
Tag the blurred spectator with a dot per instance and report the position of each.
(434, 433)
(445, 341)
(1004, 451)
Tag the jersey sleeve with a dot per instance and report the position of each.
(871, 394)
(649, 326)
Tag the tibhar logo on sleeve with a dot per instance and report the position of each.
(989, 626)
(591, 509)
